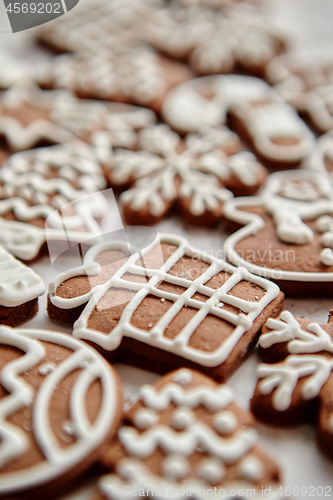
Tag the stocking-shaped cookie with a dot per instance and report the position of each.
(254, 109)
(60, 404)
(167, 306)
(296, 385)
(186, 435)
(287, 232)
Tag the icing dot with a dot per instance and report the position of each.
(47, 368)
(144, 418)
(150, 325)
(175, 467)
(324, 223)
(251, 469)
(326, 257)
(211, 470)
(162, 300)
(225, 422)
(183, 377)
(68, 428)
(182, 418)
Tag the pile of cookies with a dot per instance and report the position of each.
(189, 108)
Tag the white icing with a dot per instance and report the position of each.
(179, 345)
(251, 469)
(175, 467)
(225, 423)
(36, 183)
(186, 109)
(182, 417)
(21, 394)
(211, 470)
(47, 368)
(325, 226)
(144, 418)
(183, 376)
(18, 283)
(290, 214)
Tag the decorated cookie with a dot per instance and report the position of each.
(321, 159)
(122, 72)
(20, 288)
(185, 434)
(306, 81)
(286, 232)
(296, 385)
(36, 184)
(60, 404)
(255, 111)
(168, 306)
(30, 116)
(195, 174)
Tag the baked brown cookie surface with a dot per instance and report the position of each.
(253, 109)
(296, 384)
(60, 404)
(166, 307)
(286, 232)
(185, 434)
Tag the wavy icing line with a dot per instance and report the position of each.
(179, 345)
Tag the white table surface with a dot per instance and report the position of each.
(295, 449)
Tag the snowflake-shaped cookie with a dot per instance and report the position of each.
(253, 109)
(117, 71)
(36, 183)
(296, 385)
(167, 305)
(306, 81)
(287, 232)
(185, 434)
(193, 174)
(30, 116)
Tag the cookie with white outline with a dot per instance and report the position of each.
(45, 191)
(131, 73)
(286, 232)
(60, 405)
(253, 109)
(295, 384)
(195, 175)
(167, 306)
(305, 80)
(30, 116)
(185, 433)
(20, 288)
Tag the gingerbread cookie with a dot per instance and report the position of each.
(166, 306)
(132, 73)
(321, 159)
(296, 385)
(185, 434)
(306, 81)
(195, 174)
(255, 111)
(30, 116)
(44, 197)
(287, 232)
(61, 403)
(20, 288)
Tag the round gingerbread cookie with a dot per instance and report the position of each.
(60, 404)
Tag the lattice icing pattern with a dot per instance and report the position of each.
(170, 444)
(35, 184)
(39, 364)
(178, 289)
(297, 206)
